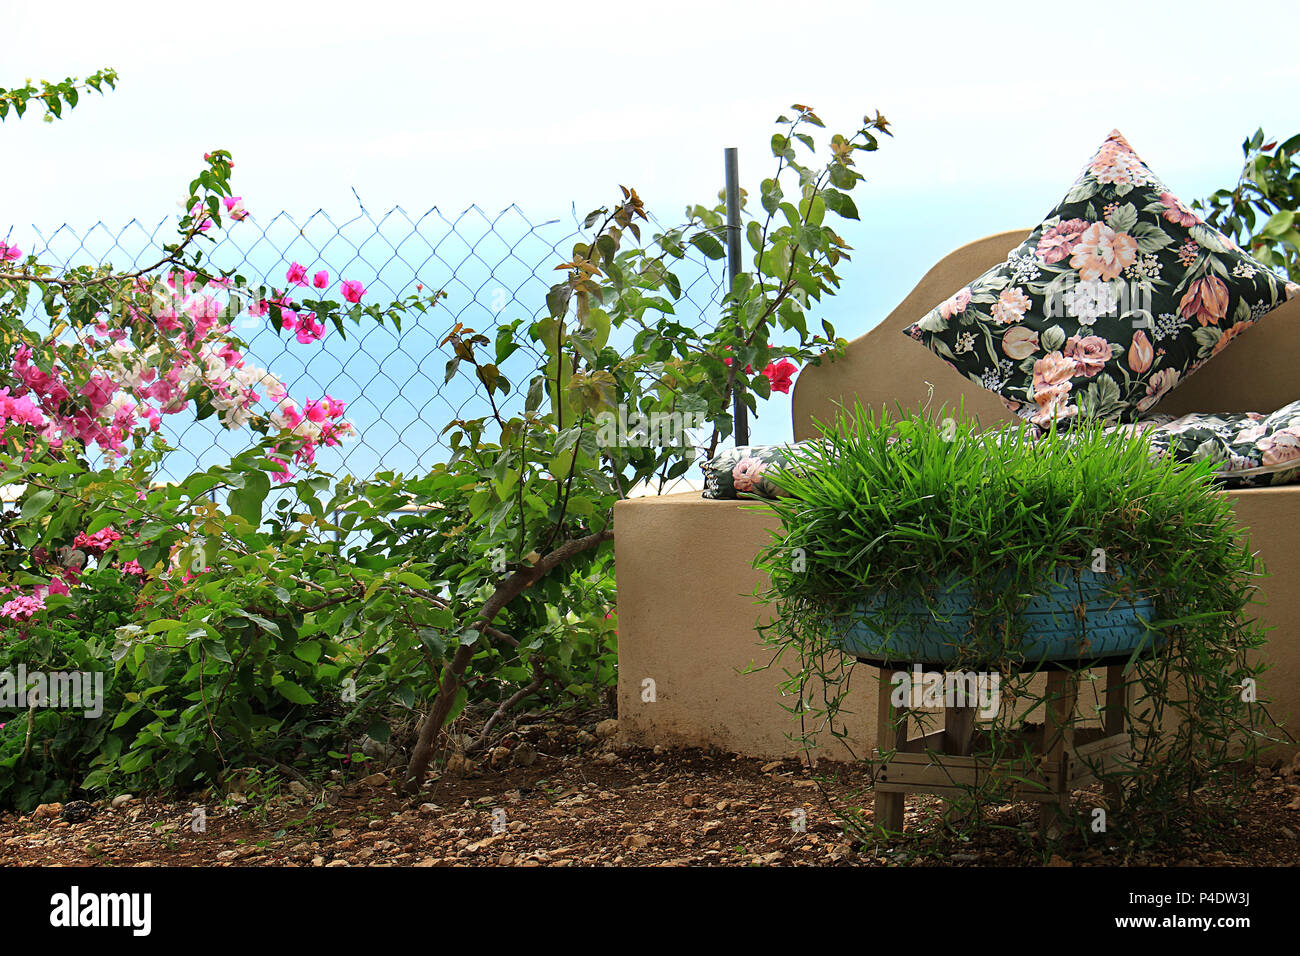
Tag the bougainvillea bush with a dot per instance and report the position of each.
(104, 569)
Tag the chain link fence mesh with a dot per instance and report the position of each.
(493, 267)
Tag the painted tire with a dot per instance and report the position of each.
(1082, 619)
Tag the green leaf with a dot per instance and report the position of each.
(260, 621)
(247, 501)
(308, 651)
(708, 245)
(100, 522)
(536, 391)
(1278, 223)
(294, 693)
(37, 503)
(432, 640)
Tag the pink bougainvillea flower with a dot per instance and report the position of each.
(321, 279)
(282, 475)
(297, 275)
(353, 290)
(9, 253)
(235, 208)
(22, 608)
(781, 375)
(98, 391)
(310, 329)
(286, 416)
(96, 543)
(133, 567)
(315, 412)
(19, 411)
(200, 214)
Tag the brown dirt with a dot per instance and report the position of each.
(577, 801)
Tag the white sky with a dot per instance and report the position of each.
(995, 106)
(542, 104)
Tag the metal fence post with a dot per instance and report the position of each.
(739, 409)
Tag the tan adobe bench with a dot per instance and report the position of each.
(684, 564)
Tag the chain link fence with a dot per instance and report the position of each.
(493, 268)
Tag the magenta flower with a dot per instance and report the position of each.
(235, 208)
(781, 375)
(9, 253)
(282, 475)
(310, 329)
(321, 279)
(297, 274)
(353, 290)
(22, 608)
(96, 543)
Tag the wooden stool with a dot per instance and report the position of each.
(941, 762)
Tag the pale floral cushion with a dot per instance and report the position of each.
(1250, 448)
(743, 471)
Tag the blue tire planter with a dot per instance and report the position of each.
(1109, 628)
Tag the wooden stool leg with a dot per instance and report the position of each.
(891, 734)
(958, 727)
(1058, 744)
(1113, 721)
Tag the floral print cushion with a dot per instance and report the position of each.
(1251, 448)
(734, 472)
(1118, 296)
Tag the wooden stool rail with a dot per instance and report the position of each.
(1062, 756)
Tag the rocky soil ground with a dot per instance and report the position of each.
(559, 792)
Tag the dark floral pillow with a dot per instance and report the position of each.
(734, 472)
(1113, 300)
(1251, 448)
